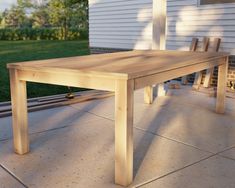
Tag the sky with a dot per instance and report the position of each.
(6, 4)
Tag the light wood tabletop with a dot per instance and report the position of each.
(129, 65)
(122, 73)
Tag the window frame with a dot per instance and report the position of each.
(210, 2)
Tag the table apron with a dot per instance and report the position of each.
(67, 79)
(175, 73)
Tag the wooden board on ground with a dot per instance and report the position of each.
(57, 101)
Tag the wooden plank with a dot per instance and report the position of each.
(198, 76)
(123, 65)
(148, 95)
(161, 89)
(124, 98)
(209, 72)
(19, 111)
(175, 73)
(159, 35)
(159, 25)
(66, 79)
(221, 87)
(193, 47)
(58, 101)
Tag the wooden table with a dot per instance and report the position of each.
(122, 73)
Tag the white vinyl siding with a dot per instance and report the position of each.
(187, 19)
(125, 24)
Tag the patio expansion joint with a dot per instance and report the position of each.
(13, 175)
(146, 182)
(174, 140)
(39, 132)
(219, 153)
(227, 157)
(228, 110)
(89, 112)
(52, 129)
(177, 141)
(144, 130)
(187, 166)
(172, 172)
(227, 149)
(109, 119)
(48, 130)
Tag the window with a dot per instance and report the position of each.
(205, 2)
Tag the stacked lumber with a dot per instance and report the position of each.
(43, 103)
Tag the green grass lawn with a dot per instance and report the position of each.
(18, 51)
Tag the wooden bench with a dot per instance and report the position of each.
(209, 72)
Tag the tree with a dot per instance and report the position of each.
(1, 18)
(79, 18)
(25, 3)
(40, 16)
(67, 13)
(15, 17)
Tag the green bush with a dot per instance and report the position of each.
(13, 34)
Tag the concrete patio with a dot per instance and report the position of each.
(179, 142)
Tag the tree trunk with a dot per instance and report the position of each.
(65, 30)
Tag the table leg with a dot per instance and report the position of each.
(19, 113)
(221, 88)
(124, 98)
(148, 95)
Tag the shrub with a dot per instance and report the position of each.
(41, 34)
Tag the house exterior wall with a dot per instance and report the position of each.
(125, 24)
(187, 19)
(117, 25)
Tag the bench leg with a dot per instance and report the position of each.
(221, 87)
(197, 80)
(148, 95)
(208, 77)
(161, 90)
(124, 95)
(19, 113)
